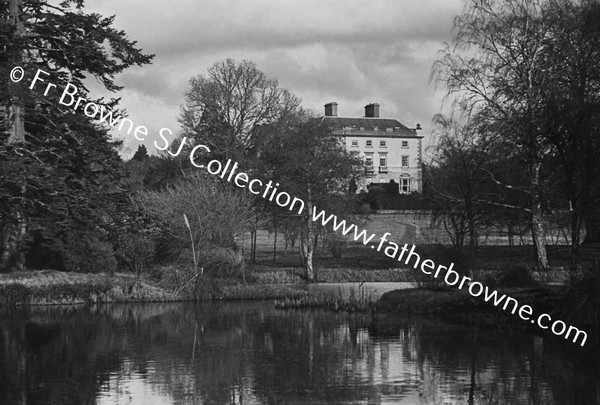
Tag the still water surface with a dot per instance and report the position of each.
(251, 353)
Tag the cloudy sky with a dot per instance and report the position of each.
(351, 52)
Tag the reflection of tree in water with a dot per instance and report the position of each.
(469, 366)
(62, 348)
(249, 352)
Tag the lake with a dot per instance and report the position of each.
(251, 353)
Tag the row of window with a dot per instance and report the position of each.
(382, 143)
(383, 160)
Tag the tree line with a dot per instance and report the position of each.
(519, 147)
(68, 200)
(521, 143)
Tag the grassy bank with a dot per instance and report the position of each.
(459, 306)
(53, 287)
(331, 275)
(49, 287)
(358, 301)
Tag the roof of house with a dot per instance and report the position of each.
(368, 124)
(365, 122)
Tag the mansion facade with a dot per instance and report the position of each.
(391, 152)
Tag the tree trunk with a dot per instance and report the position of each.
(471, 215)
(592, 224)
(308, 242)
(537, 220)
(14, 228)
(575, 230)
(307, 250)
(275, 245)
(539, 238)
(13, 233)
(253, 246)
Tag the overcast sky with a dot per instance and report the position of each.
(351, 52)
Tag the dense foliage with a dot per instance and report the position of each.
(60, 172)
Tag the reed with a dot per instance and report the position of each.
(357, 301)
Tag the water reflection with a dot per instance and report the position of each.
(247, 353)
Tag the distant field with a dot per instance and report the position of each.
(493, 253)
(413, 227)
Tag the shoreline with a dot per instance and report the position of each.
(54, 288)
(49, 287)
(458, 307)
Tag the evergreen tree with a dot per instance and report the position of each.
(60, 171)
(141, 154)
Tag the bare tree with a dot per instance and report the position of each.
(214, 215)
(495, 71)
(456, 178)
(573, 112)
(224, 107)
(314, 166)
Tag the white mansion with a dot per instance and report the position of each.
(389, 149)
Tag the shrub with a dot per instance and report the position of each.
(518, 276)
(336, 244)
(223, 262)
(86, 254)
(137, 251)
(441, 255)
(581, 302)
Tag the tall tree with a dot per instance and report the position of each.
(58, 166)
(572, 102)
(495, 70)
(457, 176)
(312, 164)
(224, 107)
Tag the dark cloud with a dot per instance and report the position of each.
(352, 52)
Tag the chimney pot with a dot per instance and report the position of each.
(372, 110)
(331, 109)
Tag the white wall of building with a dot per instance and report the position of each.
(392, 157)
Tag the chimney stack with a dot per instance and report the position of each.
(372, 110)
(331, 109)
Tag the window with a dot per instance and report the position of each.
(354, 142)
(382, 144)
(369, 170)
(405, 144)
(382, 164)
(404, 185)
(369, 143)
(404, 160)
